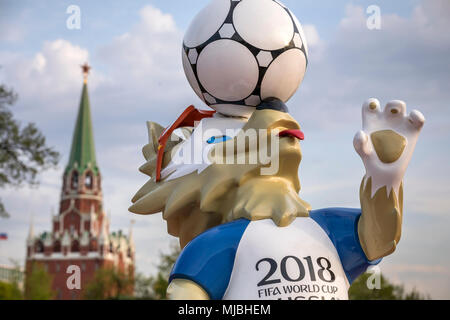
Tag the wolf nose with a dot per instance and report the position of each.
(298, 134)
(273, 104)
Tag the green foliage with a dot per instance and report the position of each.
(143, 287)
(10, 291)
(38, 284)
(23, 150)
(388, 291)
(108, 284)
(155, 287)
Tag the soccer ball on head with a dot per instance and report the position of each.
(236, 53)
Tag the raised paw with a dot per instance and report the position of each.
(387, 141)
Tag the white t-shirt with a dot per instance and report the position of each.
(314, 258)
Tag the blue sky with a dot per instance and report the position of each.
(44, 17)
(134, 48)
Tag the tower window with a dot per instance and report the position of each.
(39, 247)
(88, 180)
(74, 180)
(75, 246)
(93, 246)
(57, 247)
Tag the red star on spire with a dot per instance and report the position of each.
(86, 69)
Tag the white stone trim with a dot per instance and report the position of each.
(69, 256)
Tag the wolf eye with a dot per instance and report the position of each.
(213, 140)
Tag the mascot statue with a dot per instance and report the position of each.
(226, 180)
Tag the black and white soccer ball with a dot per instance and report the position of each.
(236, 53)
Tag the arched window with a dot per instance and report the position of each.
(75, 246)
(74, 180)
(89, 180)
(93, 245)
(57, 246)
(39, 247)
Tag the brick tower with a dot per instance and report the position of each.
(80, 232)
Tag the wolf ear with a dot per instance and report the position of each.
(154, 132)
(150, 150)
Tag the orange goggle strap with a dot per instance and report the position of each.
(187, 119)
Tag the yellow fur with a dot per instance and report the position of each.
(226, 192)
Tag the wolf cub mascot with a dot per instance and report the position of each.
(227, 181)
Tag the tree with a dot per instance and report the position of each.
(155, 287)
(10, 291)
(38, 283)
(108, 284)
(143, 287)
(388, 291)
(23, 150)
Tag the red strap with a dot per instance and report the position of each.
(187, 119)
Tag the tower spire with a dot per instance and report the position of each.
(31, 228)
(82, 154)
(130, 233)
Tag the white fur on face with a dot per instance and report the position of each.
(192, 154)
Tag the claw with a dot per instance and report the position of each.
(395, 108)
(372, 105)
(371, 108)
(361, 144)
(417, 119)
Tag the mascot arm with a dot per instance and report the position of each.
(181, 289)
(386, 145)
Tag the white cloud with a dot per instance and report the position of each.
(47, 82)
(145, 64)
(315, 44)
(407, 59)
(141, 79)
(312, 35)
(52, 71)
(156, 21)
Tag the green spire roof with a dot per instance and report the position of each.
(82, 154)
